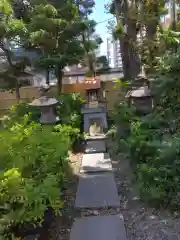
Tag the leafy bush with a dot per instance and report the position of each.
(33, 171)
(69, 109)
(154, 153)
(17, 113)
(158, 173)
(154, 142)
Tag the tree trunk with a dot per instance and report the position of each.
(130, 59)
(173, 14)
(59, 75)
(151, 30)
(89, 56)
(8, 56)
(124, 51)
(173, 20)
(135, 63)
(123, 42)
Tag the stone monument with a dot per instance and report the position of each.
(94, 109)
(47, 104)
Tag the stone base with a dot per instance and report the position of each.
(99, 228)
(48, 116)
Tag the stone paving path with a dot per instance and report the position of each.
(99, 228)
(96, 162)
(97, 189)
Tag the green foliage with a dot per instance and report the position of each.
(123, 113)
(154, 141)
(118, 31)
(34, 163)
(69, 109)
(34, 169)
(168, 85)
(11, 29)
(112, 132)
(5, 7)
(17, 112)
(57, 34)
(103, 61)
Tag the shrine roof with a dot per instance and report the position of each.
(92, 83)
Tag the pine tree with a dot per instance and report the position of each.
(56, 33)
(11, 29)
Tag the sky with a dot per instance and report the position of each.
(99, 15)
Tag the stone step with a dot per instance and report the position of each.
(97, 191)
(96, 162)
(100, 137)
(95, 146)
(99, 228)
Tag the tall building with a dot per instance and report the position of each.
(109, 52)
(113, 52)
(117, 54)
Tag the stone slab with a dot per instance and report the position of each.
(95, 146)
(97, 191)
(99, 228)
(100, 136)
(96, 162)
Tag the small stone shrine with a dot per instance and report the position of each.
(140, 95)
(94, 109)
(47, 104)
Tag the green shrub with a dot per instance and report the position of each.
(154, 142)
(123, 114)
(17, 113)
(69, 109)
(33, 171)
(155, 157)
(158, 174)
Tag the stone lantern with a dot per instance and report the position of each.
(140, 96)
(47, 106)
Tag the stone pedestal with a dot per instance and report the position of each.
(48, 115)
